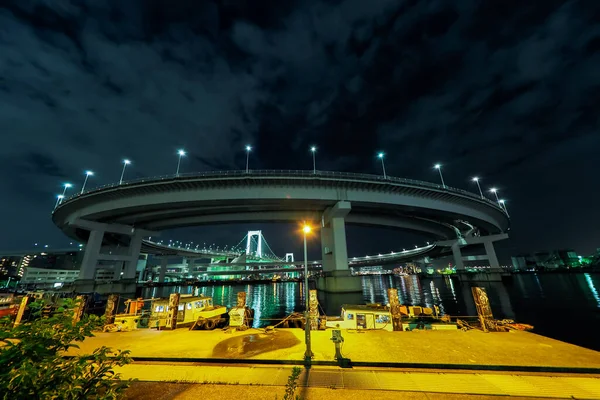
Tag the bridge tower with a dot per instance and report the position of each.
(259, 242)
(289, 257)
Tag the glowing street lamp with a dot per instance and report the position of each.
(476, 180)
(248, 148)
(306, 229)
(87, 175)
(125, 164)
(181, 154)
(503, 203)
(313, 150)
(380, 156)
(439, 168)
(66, 186)
(495, 191)
(58, 200)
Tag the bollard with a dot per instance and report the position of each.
(395, 309)
(241, 299)
(484, 311)
(111, 309)
(80, 302)
(172, 311)
(313, 310)
(22, 308)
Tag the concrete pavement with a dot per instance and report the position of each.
(374, 380)
(466, 349)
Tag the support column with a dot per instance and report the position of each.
(337, 277)
(91, 255)
(491, 255)
(458, 261)
(163, 269)
(118, 268)
(133, 252)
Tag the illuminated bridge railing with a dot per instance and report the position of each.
(292, 174)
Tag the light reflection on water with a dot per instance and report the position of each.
(535, 299)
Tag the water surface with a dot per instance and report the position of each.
(561, 306)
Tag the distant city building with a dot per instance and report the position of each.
(46, 269)
(11, 267)
(546, 259)
(48, 278)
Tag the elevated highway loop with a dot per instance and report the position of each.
(329, 199)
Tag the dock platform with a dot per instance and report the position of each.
(443, 362)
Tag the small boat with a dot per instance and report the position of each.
(197, 312)
(9, 305)
(379, 317)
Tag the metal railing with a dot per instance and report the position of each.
(289, 173)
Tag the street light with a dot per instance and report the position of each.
(87, 175)
(248, 148)
(313, 149)
(476, 180)
(503, 202)
(58, 200)
(66, 186)
(308, 354)
(439, 168)
(380, 156)
(495, 191)
(181, 154)
(125, 164)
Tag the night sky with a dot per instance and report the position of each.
(506, 90)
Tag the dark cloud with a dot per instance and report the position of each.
(502, 89)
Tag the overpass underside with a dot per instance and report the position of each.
(114, 219)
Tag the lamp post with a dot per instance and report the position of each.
(476, 180)
(380, 156)
(87, 175)
(439, 168)
(503, 202)
(495, 191)
(58, 200)
(308, 354)
(248, 148)
(125, 164)
(66, 186)
(313, 149)
(181, 154)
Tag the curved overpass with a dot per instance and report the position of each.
(232, 197)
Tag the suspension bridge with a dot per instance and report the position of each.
(253, 254)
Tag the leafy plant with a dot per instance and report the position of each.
(33, 365)
(292, 385)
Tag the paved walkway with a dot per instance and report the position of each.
(470, 348)
(522, 385)
(191, 391)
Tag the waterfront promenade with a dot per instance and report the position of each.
(433, 348)
(384, 363)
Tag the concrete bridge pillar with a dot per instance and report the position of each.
(90, 257)
(133, 255)
(458, 260)
(337, 277)
(163, 269)
(491, 254)
(126, 263)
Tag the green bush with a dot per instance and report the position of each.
(292, 385)
(32, 365)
